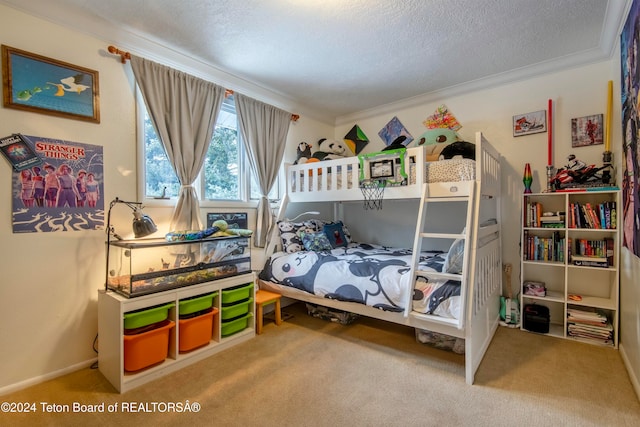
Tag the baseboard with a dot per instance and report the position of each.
(42, 378)
(630, 371)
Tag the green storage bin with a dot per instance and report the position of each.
(197, 303)
(237, 294)
(235, 326)
(147, 316)
(236, 310)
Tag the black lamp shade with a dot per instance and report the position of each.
(143, 225)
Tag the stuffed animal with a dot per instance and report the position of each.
(303, 153)
(224, 230)
(329, 149)
(459, 149)
(436, 140)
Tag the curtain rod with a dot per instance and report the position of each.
(126, 55)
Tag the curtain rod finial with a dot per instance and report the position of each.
(123, 55)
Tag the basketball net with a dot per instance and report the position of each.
(373, 193)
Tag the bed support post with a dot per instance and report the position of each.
(338, 211)
(272, 236)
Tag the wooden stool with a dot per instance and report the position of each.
(265, 298)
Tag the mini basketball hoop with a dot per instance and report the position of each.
(373, 192)
(379, 170)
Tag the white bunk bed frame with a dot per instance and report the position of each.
(481, 278)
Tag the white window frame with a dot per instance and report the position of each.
(245, 185)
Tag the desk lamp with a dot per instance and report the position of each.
(142, 225)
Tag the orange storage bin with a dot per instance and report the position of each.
(196, 331)
(147, 348)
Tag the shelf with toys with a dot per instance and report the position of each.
(569, 264)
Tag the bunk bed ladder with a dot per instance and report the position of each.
(467, 235)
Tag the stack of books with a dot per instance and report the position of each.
(588, 324)
(555, 220)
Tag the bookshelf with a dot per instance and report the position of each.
(570, 244)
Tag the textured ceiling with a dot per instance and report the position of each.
(340, 57)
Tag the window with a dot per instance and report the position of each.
(224, 170)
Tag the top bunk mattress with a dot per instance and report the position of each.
(453, 170)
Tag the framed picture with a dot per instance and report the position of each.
(39, 84)
(526, 124)
(381, 169)
(587, 130)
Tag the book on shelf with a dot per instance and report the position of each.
(589, 324)
(607, 214)
(589, 261)
(594, 214)
(613, 215)
(552, 221)
(533, 214)
(552, 218)
(609, 244)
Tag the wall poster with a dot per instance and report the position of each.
(630, 84)
(63, 193)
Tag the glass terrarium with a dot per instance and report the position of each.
(143, 266)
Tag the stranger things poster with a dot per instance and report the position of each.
(64, 192)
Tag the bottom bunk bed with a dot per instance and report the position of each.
(455, 291)
(373, 280)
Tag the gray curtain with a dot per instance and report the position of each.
(184, 110)
(264, 133)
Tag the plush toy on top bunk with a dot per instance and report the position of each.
(442, 140)
(303, 153)
(328, 149)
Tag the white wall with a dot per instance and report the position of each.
(48, 295)
(48, 291)
(578, 92)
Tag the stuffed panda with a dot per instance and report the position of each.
(331, 149)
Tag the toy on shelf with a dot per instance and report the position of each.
(577, 174)
(527, 178)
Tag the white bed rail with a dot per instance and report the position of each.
(487, 167)
(338, 180)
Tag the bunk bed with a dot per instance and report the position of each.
(454, 292)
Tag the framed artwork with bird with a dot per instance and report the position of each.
(35, 83)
